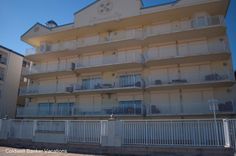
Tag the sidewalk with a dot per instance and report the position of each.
(7, 151)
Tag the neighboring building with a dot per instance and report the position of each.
(10, 73)
(117, 57)
(23, 81)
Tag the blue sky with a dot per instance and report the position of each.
(17, 16)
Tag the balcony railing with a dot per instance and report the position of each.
(130, 34)
(110, 60)
(185, 81)
(69, 88)
(89, 41)
(215, 46)
(43, 89)
(176, 26)
(94, 62)
(219, 106)
(3, 60)
(226, 106)
(127, 83)
(82, 110)
(48, 69)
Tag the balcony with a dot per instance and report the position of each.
(107, 87)
(130, 108)
(212, 50)
(54, 110)
(43, 90)
(220, 107)
(107, 41)
(86, 87)
(105, 63)
(109, 63)
(209, 80)
(210, 27)
(48, 70)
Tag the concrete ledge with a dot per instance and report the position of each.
(125, 150)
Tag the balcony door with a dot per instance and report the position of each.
(92, 82)
(129, 107)
(65, 109)
(45, 109)
(90, 104)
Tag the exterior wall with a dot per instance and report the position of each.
(10, 85)
(181, 63)
(118, 10)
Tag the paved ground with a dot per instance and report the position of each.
(7, 151)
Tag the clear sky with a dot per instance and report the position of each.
(17, 16)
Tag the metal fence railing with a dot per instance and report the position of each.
(182, 133)
(84, 132)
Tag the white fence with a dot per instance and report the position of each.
(186, 133)
(84, 132)
(182, 133)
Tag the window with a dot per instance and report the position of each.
(201, 21)
(45, 108)
(130, 80)
(65, 109)
(129, 107)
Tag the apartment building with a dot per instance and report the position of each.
(122, 59)
(10, 73)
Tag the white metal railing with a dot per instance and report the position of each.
(21, 129)
(52, 111)
(47, 68)
(84, 63)
(82, 110)
(232, 132)
(131, 81)
(189, 25)
(185, 79)
(84, 132)
(110, 60)
(43, 89)
(131, 34)
(188, 49)
(50, 126)
(181, 133)
(88, 41)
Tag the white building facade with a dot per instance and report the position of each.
(119, 58)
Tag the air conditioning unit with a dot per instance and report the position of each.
(72, 66)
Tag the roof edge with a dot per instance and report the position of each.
(86, 7)
(12, 51)
(157, 5)
(33, 27)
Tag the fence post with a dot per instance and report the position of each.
(111, 134)
(0, 126)
(226, 133)
(67, 130)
